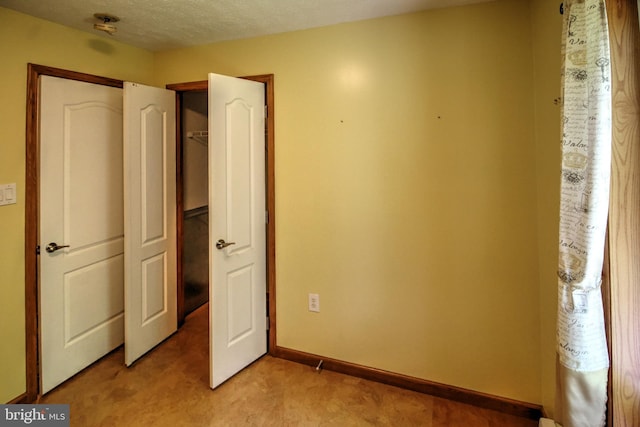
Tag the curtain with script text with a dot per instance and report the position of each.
(583, 359)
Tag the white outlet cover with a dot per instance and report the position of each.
(314, 303)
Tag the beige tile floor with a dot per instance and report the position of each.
(169, 387)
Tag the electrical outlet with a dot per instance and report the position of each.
(314, 303)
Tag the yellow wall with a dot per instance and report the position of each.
(24, 39)
(405, 190)
(416, 164)
(547, 33)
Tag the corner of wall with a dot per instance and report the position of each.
(546, 24)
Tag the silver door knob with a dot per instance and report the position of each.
(53, 246)
(221, 244)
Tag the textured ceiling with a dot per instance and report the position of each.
(167, 24)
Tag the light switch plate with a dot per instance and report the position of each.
(7, 194)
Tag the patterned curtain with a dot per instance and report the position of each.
(583, 360)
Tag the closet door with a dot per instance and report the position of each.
(81, 226)
(150, 218)
(238, 285)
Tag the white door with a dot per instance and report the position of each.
(150, 218)
(81, 205)
(237, 216)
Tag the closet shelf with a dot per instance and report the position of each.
(201, 136)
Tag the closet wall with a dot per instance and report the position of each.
(196, 213)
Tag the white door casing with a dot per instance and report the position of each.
(81, 205)
(237, 284)
(150, 219)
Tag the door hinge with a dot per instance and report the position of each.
(266, 111)
(267, 323)
(266, 217)
(38, 250)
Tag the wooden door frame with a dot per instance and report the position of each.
(32, 210)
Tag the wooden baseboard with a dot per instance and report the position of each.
(482, 400)
(22, 399)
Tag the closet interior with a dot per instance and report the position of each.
(195, 257)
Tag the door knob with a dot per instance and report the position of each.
(221, 244)
(53, 246)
